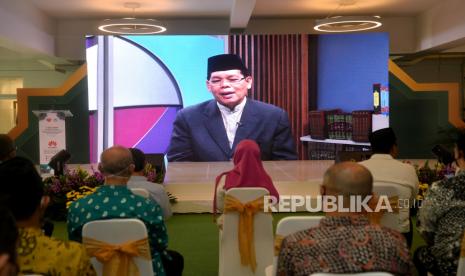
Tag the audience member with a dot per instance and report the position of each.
(8, 241)
(138, 180)
(388, 171)
(7, 148)
(115, 200)
(23, 190)
(248, 171)
(345, 242)
(441, 221)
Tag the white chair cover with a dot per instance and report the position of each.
(118, 231)
(140, 191)
(391, 220)
(291, 225)
(230, 261)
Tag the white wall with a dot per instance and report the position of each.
(71, 33)
(441, 24)
(23, 26)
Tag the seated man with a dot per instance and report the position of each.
(115, 200)
(441, 221)
(23, 190)
(388, 171)
(345, 242)
(138, 180)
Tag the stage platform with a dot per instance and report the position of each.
(193, 183)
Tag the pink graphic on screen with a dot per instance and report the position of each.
(144, 127)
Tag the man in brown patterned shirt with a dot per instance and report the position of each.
(345, 242)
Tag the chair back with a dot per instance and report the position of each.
(141, 192)
(461, 266)
(291, 225)
(230, 259)
(392, 219)
(118, 231)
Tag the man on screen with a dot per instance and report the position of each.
(211, 130)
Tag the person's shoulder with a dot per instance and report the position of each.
(265, 109)
(200, 107)
(262, 105)
(452, 183)
(150, 186)
(388, 233)
(82, 202)
(404, 164)
(65, 248)
(147, 204)
(299, 236)
(67, 255)
(378, 159)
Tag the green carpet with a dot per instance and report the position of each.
(195, 236)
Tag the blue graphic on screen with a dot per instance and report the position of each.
(186, 57)
(153, 77)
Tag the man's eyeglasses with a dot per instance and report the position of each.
(229, 80)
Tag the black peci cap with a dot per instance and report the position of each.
(225, 62)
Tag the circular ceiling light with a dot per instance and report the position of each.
(341, 24)
(131, 26)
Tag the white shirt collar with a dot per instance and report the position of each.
(231, 119)
(237, 108)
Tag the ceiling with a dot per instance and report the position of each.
(239, 13)
(222, 8)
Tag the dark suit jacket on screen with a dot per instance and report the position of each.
(199, 133)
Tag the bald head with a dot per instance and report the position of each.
(116, 161)
(348, 178)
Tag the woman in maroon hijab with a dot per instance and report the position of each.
(248, 172)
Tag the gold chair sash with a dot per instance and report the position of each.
(118, 259)
(278, 240)
(246, 230)
(375, 217)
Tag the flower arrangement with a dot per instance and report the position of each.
(78, 183)
(64, 189)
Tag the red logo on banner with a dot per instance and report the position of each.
(49, 120)
(52, 144)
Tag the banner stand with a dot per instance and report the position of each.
(52, 134)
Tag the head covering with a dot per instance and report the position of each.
(225, 62)
(248, 170)
(382, 140)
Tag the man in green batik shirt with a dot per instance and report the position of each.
(115, 200)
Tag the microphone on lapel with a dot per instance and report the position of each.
(238, 124)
